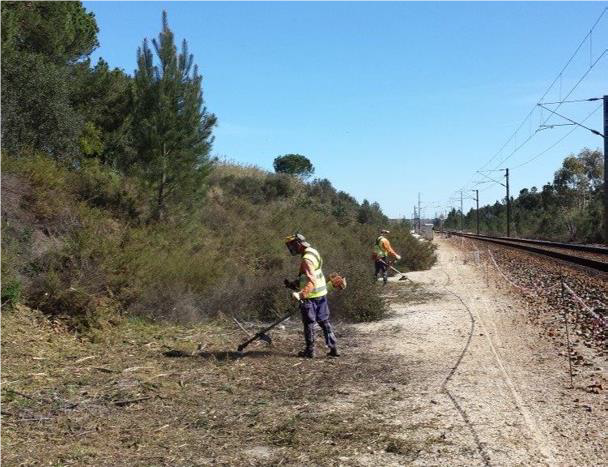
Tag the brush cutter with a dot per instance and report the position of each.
(402, 278)
(337, 281)
(262, 334)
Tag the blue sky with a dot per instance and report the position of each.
(386, 99)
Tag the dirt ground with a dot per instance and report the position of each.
(457, 375)
(483, 381)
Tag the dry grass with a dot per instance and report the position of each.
(150, 394)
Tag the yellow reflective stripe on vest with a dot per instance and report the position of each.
(320, 286)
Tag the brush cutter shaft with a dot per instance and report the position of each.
(384, 262)
(263, 332)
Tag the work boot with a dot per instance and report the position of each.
(306, 353)
(333, 353)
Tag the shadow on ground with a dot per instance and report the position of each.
(223, 355)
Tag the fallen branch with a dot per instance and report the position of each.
(136, 368)
(131, 401)
(83, 359)
(105, 370)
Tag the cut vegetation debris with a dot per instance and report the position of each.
(203, 407)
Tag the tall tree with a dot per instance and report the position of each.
(294, 164)
(41, 41)
(172, 128)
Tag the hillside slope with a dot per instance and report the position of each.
(79, 243)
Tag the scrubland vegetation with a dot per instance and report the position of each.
(78, 243)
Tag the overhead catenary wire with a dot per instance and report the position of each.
(559, 140)
(591, 99)
(552, 112)
(572, 122)
(563, 99)
(550, 87)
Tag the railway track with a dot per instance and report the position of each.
(593, 257)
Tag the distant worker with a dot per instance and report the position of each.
(310, 289)
(382, 248)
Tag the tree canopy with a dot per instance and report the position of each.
(294, 164)
(41, 42)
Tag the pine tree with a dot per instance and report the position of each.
(172, 128)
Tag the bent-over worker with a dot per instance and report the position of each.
(382, 249)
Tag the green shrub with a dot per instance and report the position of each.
(101, 186)
(11, 292)
(10, 286)
(224, 257)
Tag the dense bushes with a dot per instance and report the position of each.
(96, 251)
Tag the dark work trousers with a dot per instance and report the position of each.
(316, 310)
(382, 267)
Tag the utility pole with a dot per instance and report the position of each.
(506, 185)
(461, 210)
(606, 170)
(419, 230)
(477, 202)
(508, 205)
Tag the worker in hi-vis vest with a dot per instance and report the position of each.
(382, 248)
(310, 289)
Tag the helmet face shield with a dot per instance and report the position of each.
(292, 247)
(294, 241)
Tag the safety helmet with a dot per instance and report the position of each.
(296, 239)
(384, 231)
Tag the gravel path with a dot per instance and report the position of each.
(485, 389)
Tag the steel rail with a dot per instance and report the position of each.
(519, 244)
(602, 250)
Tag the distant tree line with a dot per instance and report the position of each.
(567, 209)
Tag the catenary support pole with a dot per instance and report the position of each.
(461, 226)
(606, 170)
(508, 204)
(419, 215)
(477, 203)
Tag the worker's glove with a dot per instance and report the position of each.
(397, 257)
(296, 295)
